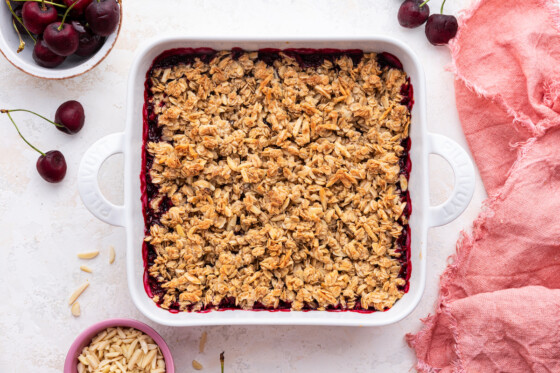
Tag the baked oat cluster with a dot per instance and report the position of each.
(285, 183)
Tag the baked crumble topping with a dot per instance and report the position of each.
(278, 185)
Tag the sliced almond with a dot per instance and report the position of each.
(196, 365)
(111, 255)
(89, 255)
(76, 309)
(202, 342)
(134, 358)
(77, 293)
(86, 269)
(180, 230)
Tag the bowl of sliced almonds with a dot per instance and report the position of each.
(119, 345)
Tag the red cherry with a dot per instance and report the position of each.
(411, 15)
(89, 42)
(15, 4)
(62, 39)
(103, 16)
(44, 57)
(52, 166)
(37, 16)
(79, 8)
(19, 26)
(71, 115)
(441, 28)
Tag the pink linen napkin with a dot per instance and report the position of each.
(499, 310)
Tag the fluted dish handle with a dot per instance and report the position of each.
(88, 184)
(463, 190)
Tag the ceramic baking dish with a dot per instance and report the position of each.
(130, 215)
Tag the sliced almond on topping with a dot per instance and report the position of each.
(76, 309)
(86, 269)
(111, 255)
(77, 293)
(180, 230)
(89, 255)
(196, 365)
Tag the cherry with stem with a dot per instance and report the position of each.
(45, 2)
(413, 13)
(21, 42)
(70, 8)
(61, 37)
(440, 28)
(50, 165)
(37, 16)
(4, 111)
(80, 6)
(20, 21)
(69, 117)
(19, 132)
(440, 10)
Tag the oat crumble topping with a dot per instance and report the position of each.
(284, 181)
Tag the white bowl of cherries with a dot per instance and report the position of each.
(58, 39)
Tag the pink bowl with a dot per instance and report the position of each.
(71, 363)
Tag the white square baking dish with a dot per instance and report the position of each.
(130, 215)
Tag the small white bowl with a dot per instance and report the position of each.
(72, 67)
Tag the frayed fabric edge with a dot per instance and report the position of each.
(462, 18)
(457, 362)
(463, 247)
(413, 339)
(429, 324)
(553, 9)
(552, 6)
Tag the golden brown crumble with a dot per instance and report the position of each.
(285, 183)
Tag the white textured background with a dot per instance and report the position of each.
(43, 226)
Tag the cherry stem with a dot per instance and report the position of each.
(20, 135)
(424, 3)
(442, 4)
(66, 14)
(222, 359)
(43, 2)
(20, 21)
(21, 42)
(31, 112)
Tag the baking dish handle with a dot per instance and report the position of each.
(88, 185)
(463, 169)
